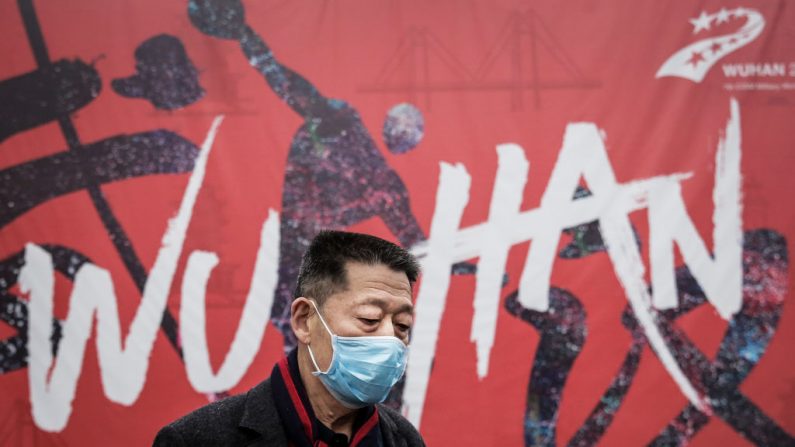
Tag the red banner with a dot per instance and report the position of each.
(597, 194)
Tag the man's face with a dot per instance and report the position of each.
(376, 302)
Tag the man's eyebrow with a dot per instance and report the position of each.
(380, 302)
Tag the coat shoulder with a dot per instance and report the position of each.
(215, 422)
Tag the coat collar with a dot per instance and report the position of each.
(388, 426)
(262, 421)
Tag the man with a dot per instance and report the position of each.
(352, 317)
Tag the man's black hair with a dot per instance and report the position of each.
(323, 267)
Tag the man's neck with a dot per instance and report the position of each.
(328, 410)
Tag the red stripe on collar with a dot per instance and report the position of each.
(365, 428)
(284, 368)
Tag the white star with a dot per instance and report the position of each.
(702, 22)
(723, 16)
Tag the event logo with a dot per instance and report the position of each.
(695, 60)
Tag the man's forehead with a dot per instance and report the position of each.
(377, 276)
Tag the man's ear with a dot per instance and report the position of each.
(300, 311)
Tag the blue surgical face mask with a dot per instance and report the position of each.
(362, 369)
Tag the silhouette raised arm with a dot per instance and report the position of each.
(296, 91)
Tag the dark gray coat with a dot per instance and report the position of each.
(251, 419)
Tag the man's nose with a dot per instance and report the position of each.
(387, 328)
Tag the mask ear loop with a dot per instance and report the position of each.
(322, 320)
(311, 355)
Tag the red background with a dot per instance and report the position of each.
(653, 126)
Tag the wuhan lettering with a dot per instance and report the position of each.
(124, 363)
